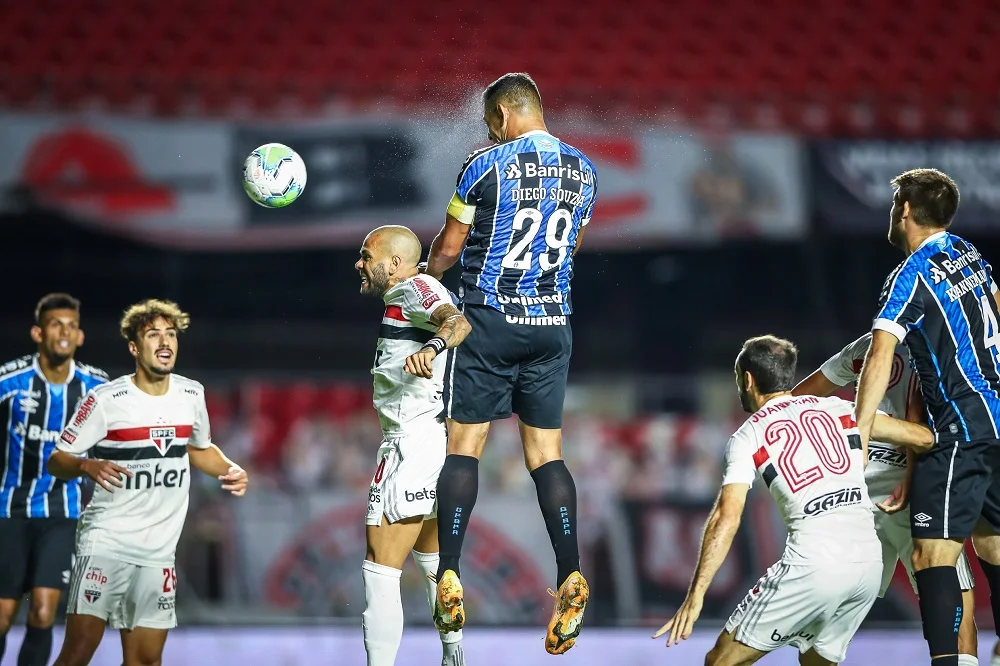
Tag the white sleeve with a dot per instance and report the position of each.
(422, 297)
(740, 467)
(843, 367)
(88, 427)
(201, 432)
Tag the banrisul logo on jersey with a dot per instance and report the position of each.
(532, 170)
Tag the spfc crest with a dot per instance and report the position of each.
(91, 595)
(162, 438)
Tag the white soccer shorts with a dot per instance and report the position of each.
(816, 607)
(897, 544)
(406, 474)
(124, 595)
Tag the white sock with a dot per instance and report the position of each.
(451, 642)
(382, 621)
(995, 661)
(967, 660)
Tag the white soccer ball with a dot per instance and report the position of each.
(274, 175)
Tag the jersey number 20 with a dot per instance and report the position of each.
(825, 438)
(557, 229)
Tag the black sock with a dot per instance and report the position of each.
(992, 573)
(940, 611)
(457, 488)
(36, 648)
(557, 500)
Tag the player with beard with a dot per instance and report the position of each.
(142, 432)
(420, 323)
(808, 453)
(38, 513)
(941, 303)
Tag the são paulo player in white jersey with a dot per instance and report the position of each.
(419, 324)
(886, 474)
(808, 453)
(141, 431)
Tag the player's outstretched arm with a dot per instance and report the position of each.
(816, 384)
(720, 529)
(453, 328)
(873, 381)
(212, 461)
(902, 433)
(447, 246)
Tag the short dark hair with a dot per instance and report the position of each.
(932, 194)
(515, 89)
(141, 316)
(771, 362)
(55, 301)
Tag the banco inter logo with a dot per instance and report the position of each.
(158, 477)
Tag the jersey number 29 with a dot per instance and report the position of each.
(557, 229)
(825, 438)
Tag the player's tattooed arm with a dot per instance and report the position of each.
(452, 325)
(453, 328)
(720, 530)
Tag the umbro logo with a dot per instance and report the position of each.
(922, 520)
(513, 171)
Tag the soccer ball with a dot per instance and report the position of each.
(274, 175)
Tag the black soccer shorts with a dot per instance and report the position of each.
(954, 484)
(504, 368)
(35, 552)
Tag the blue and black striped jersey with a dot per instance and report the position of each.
(532, 195)
(34, 413)
(939, 301)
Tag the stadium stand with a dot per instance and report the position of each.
(850, 67)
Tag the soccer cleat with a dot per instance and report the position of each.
(567, 616)
(449, 609)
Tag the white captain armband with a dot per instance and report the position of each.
(460, 210)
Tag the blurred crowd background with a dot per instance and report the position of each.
(744, 153)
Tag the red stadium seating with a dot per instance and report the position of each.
(846, 67)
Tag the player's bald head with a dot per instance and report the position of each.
(395, 240)
(516, 91)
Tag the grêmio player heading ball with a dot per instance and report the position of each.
(516, 219)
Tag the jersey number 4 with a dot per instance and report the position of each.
(991, 332)
(557, 229)
(824, 437)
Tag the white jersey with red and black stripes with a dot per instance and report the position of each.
(401, 398)
(149, 436)
(886, 463)
(807, 450)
